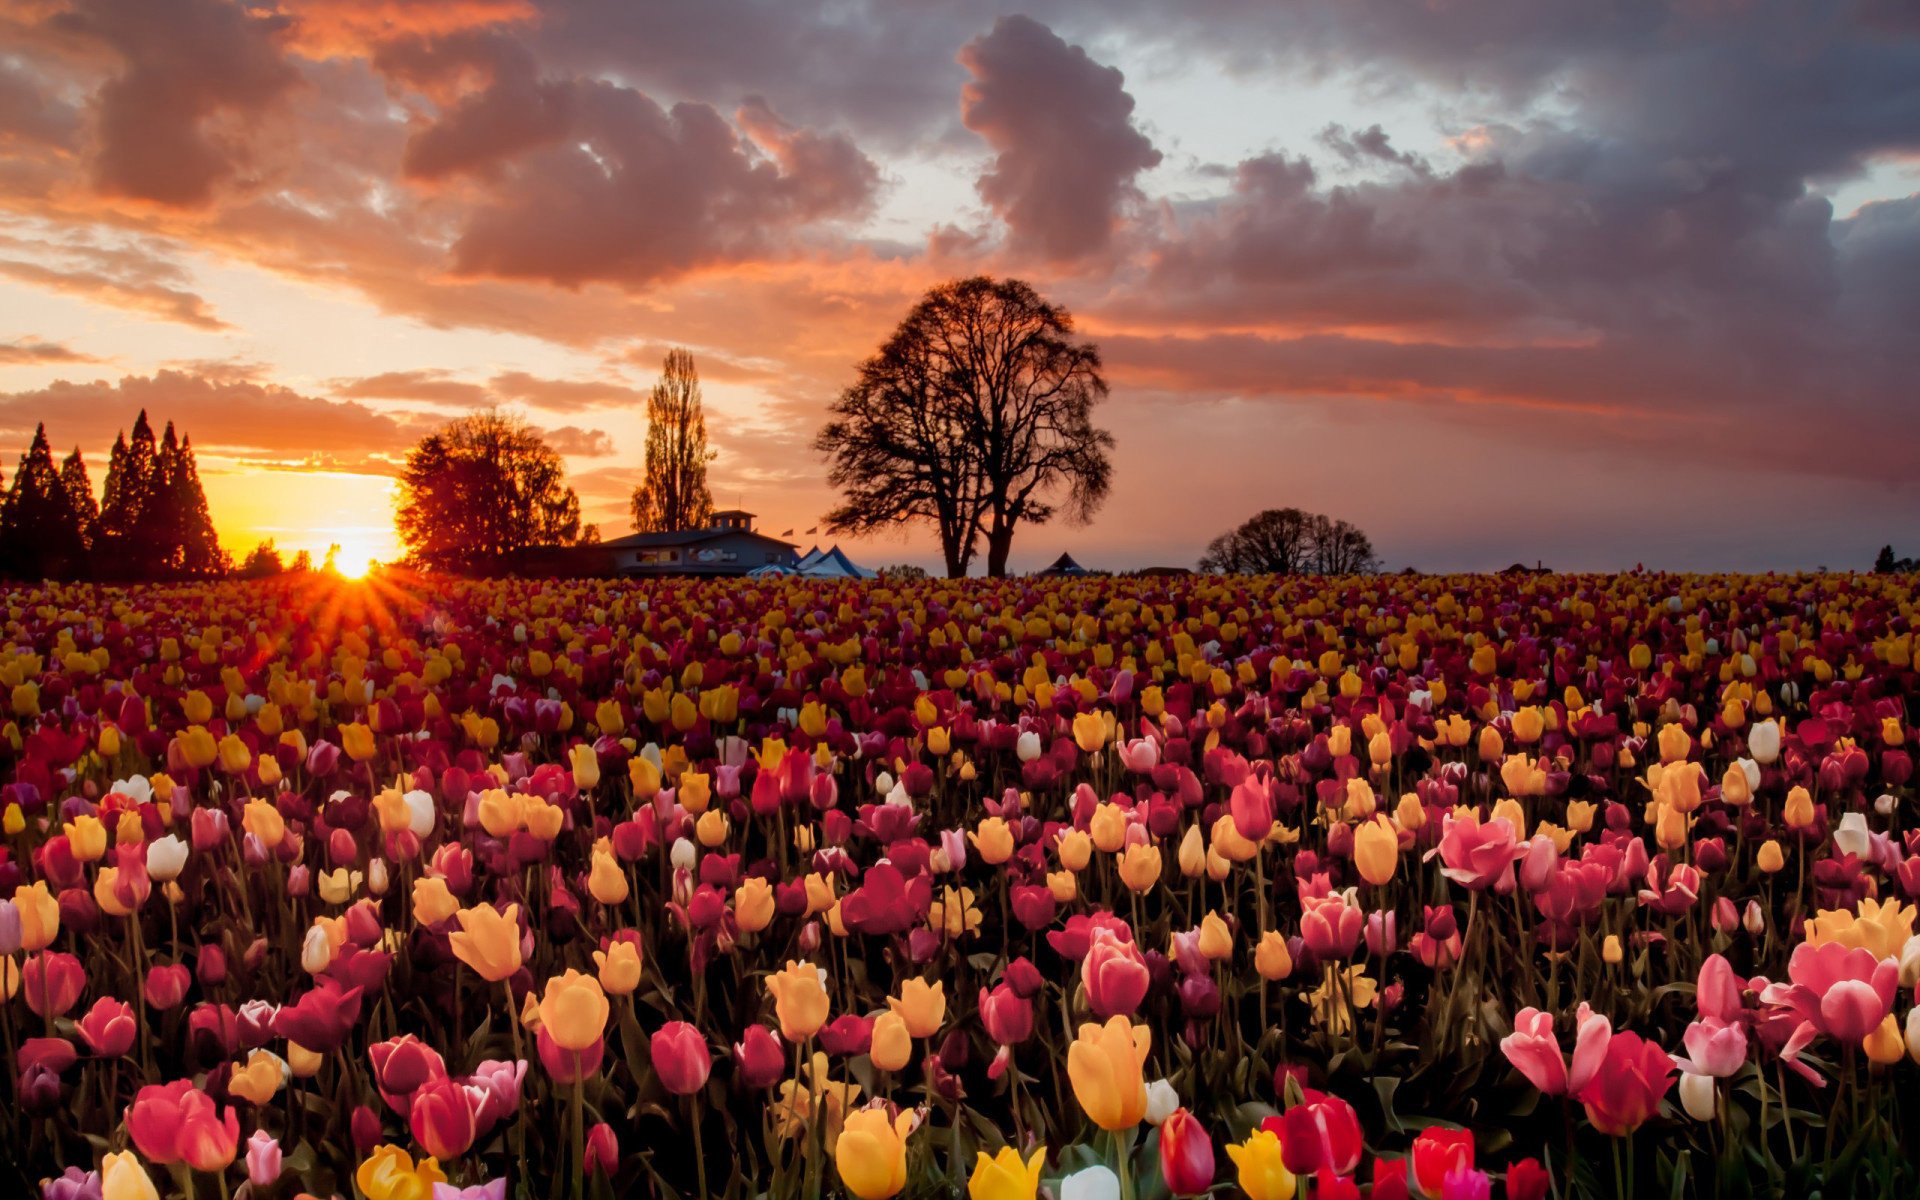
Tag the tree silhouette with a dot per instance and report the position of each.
(1289, 541)
(40, 534)
(674, 494)
(975, 416)
(86, 510)
(478, 491)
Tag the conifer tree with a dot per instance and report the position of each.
(39, 531)
(73, 476)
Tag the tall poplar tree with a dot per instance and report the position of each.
(674, 494)
(39, 531)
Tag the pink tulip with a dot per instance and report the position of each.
(1479, 856)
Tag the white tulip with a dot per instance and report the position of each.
(684, 855)
(136, 786)
(1851, 835)
(166, 858)
(420, 813)
(1910, 962)
(1913, 1033)
(1755, 920)
(1884, 804)
(1763, 742)
(1094, 1183)
(1161, 1101)
(1027, 746)
(1751, 770)
(1697, 1095)
(377, 877)
(316, 951)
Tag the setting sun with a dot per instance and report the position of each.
(353, 562)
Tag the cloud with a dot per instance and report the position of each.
(119, 289)
(173, 123)
(32, 350)
(579, 443)
(431, 385)
(1061, 127)
(574, 180)
(230, 417)
(562, 395)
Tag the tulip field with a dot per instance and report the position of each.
(1454, 887)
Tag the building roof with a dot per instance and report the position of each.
(683, 537)
(1064, 565)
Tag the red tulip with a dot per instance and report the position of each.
(177, 1122)
(1320, 1131)
(1007, 1016)
(322, 1018)
(402, 1066)
(53, 982)
(681, 1057)
(602, 1151)
(569, 1066)
(1186, 1154)
(109, 1027)
(1330, 926)
(167, 986)
(1438, 1153)
(1527, 1180)
(1628, 1087)
(1114, 974)
(759, 1057)
(445, 1116)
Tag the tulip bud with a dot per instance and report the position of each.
(1697, 1095)
(263, 1159)
(602, 1153)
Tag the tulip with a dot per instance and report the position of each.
(1321, 1131)
(108, 1028)
(1186, 1154)
(1104, 1065)
(178, 1122)
(759, 1057)
(53, 983)
(871, 1153)
(390, 1173)
(1439, 1153)
(799, 1000)
(573, 1010)
(1376, 851)
(1627, 1088)
(122, 1177)
(488, 941)
(1139, 868)
(1697, 1096)
(1263, 1173)
(681, 1058)
(1005, 1176)
(601, 1154)
(921, 1005)
(259, 1079)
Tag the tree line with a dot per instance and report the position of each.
(151, 521)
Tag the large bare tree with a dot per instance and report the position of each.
(674, 494)
(975, 416)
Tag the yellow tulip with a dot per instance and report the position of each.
(264, 821)
(357, 740)
(753, 905)
(1376, 850)
(619, 967)
(1798, 813)
(1104, 1065)
(994, 840)
(39, 916)
(86, 837)
(892, 1045)
(1074, 849)
(694, 793)
(1271, 958)
(1089, 731)
(573, 1010)
(488, 941)
(799, 1000)
(432, 901)
(1005, 1177)
(389, 1173)
(259, 1079)
(1885, 1045)
(606, 881)
(1140, 868)
(122, 1177)
(921, 1005)
(1771, 858)
(586, 767)
(1263, 1173)
(1216, 940)
(871, 1154)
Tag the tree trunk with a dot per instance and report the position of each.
(999, 544)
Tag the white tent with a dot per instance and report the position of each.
(831, 563)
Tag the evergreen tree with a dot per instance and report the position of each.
(73, 476)
(1885, 562)
(120, 548)
(199, 554)
(39, 531)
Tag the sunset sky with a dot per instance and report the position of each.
(1595, 282)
